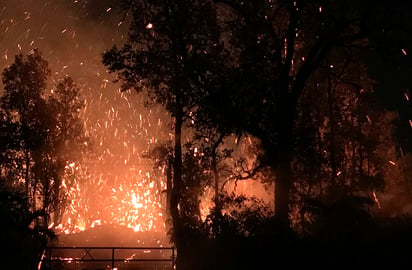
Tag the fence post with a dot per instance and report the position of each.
(112, 258)
(50, 257)
(173, 258)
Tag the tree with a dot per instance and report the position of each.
(167, 55)
(40, 135)
(24, 83)
(67, 141)
(249, 75)
(25, 242)
(275, 47)
(390, 65)
(342, 139)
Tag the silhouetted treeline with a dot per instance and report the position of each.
(298, 80)
(41, 132)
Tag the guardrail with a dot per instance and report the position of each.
(128, 258)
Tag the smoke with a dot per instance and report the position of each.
(116, 184)
(72, 35)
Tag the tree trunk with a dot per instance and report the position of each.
(216, 172)
(282, 160)
(283, 184)
(169, 186)
(332, 134)
(216, 182)
(177, 178)
(26, 173)
(56, 188)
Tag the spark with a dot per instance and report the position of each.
(27, 15)
(392, 163)
(376, 199)
(110, 186)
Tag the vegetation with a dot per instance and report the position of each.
(291, 74)
(39, 135)
(296, 79)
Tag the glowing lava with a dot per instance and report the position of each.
(113, 183)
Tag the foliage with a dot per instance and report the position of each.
(23, 103)
(292, 75)
(239, 216)
(40, 135)
(24, 242)
(389, 66)
(67, 141)
(167, 52)
(167, 55)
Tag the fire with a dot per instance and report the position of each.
(135, 202)
(114, 184)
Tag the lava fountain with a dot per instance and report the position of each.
(114, 185)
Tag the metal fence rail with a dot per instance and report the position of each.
(59, 258)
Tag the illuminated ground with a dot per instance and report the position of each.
(113, 235)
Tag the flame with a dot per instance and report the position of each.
(115, 185)
(135, 202)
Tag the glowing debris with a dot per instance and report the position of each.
(376, 199)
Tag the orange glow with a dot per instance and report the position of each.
(115, 185)
(135, 203)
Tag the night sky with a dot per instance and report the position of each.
(71, 34)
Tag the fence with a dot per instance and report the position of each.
(101, 258)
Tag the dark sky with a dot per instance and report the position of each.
(72, 34)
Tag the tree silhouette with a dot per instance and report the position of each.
(390, 65)
(41, 134)
(260, 70)
(26, 242)
(67, 140)
(24, 83)
(275, 48)
(167, 55)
